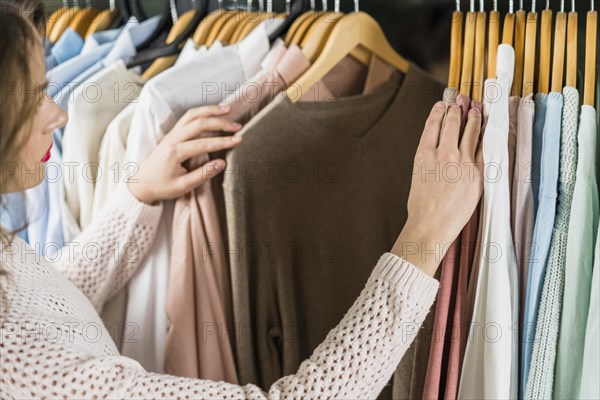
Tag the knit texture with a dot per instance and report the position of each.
(541, 373)
(53, 343)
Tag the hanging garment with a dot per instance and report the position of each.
(198, 304)
(544, 223)
(583, 228)
(162, 102)
(90, 95)
(522, 209)
(490, 366)
(446, 300)
(541, 373)
(541, 101)
(112, 88)
(66, 47)
(590, 385)
(289, 229)
(513, 108)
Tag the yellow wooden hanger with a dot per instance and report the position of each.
(225, 32)
(558, 54)
(519, 46)
(62, 23)
(249, 17)
(529, 60)
(161, 64)
(493, 40)
(82, 21)
(591, 48)
(55, 16)
(303, 24)
(508, 28)
(479, 54)
(202, 33)
(571, 75)
(220, 23)
(455, 47)
(104, 20)
(353, 30)
(545, 50)
(466, 76)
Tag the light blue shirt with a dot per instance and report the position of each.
(536, 145)
(68, 46)
(544, 223)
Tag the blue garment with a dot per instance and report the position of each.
(12, 214)
(97, 39)
(68, 46)
(536, 146)
(544, 223)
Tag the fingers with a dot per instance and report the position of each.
(451, 129)
(201, 175)
(431, 133)
(470, 138)
(198, 147)
(196, 127)
(203, 112)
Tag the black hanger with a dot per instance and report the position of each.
(298, 8)
(137, 10)
(124, 14)
(173, 48)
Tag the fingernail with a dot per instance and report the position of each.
(235, 125)
(459, 100)
(215, 166)
(474, 110)
(225, 108)
(236, 139)
(440, 105)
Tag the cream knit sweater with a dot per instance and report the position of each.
(54, 345)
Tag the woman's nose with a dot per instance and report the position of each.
(58, 118)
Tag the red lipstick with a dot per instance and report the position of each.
(48, 154)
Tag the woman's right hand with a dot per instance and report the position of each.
(162, 176)
(447, 184)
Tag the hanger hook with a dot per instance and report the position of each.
(592, 5)
(472, 6)
(511, 5)
(174, 15)
(356, 5)
(520, 4)
(496, 5)
(562, 5)
(336, 6)
(269, 6)
(572, 5)
(261, 5)
(324, 5)
(481, 5)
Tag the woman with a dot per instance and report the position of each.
(52, 341)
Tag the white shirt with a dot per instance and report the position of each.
(490, 365)
(93, 107)
(164, 99)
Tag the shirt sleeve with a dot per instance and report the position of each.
(106, 254)
(355, 361)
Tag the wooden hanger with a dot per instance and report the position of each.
(62, 23)
(104, 20)
(55, 16)
(493, 41)
(519, 46)
(202, 32)
(455, 47)
(591, 48)
(161, 64)
(252, 24)
(545, 50)
(249, 17)
(558, 55)
(218, 25)
(508, 29)
(309, 19)
(529, 58)
(82, 20)
(226, 32)
(353, 30)
(466, 77)
(571, 74)
(479, 54)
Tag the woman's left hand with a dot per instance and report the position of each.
(162, 175)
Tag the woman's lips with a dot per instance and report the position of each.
(48, 154)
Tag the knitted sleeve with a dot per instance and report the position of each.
(106, 254)
(355, 361)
